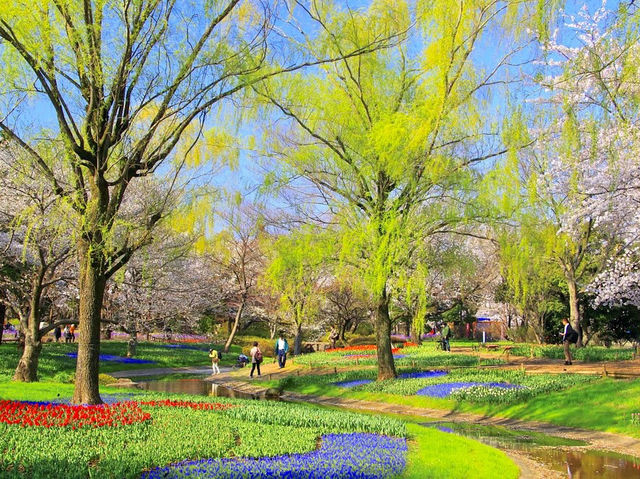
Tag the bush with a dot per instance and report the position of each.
(359, 340)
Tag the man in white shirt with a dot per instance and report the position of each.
(282, 348)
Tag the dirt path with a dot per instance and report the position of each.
(622, 369)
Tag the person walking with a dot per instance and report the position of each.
(282, 348)
(66, 334)
(333, 337)
(256, 358)
(57, 333)
(569, 335)
(446, 334)
(215, 359)
(72, 333)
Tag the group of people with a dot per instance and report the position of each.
(68, 333)
(281, 349)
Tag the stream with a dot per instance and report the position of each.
(198, 387)
(566, 456)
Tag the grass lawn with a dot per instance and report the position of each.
(434, 454)
(604, 404)
(250, 429)
(54, 364)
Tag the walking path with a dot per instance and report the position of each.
(619, 369)
(137, 373)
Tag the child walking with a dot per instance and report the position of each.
(215, 359)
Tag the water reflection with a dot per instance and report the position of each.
(563, 455)
(197, 387)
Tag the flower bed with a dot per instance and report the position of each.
(117, 359)
(422, 374)
(202, 406)
(356, 455)
(480, 385)
(352, 384)
(447, 389)
(27, 414)
(360, 347)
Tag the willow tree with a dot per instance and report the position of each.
(296, 273)
(388, 142)
(126, 88)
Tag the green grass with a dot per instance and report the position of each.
(604, 404)
(556, 351)
(54, 364)
(434, 454)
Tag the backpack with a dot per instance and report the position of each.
(258, 356)
(572, 336)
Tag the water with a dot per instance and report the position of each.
(198, 387)
(559, 454)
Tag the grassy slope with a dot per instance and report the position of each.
(605, 405)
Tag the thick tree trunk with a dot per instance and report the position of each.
(574, 310)
(234, 329)
(92, 285)
(297, 342)
(386, 366)
(27, 369)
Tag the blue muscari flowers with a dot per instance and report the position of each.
(184, 346)
(117, 359)
(341, 456)
(422, 374)
(445, 389)
(352, 384)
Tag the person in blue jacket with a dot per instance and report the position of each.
(282, 348)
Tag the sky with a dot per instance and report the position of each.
(246, 175)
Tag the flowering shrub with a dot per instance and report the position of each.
(117, 359)
(365, 456)
(61, 415)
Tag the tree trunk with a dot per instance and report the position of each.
(3, 312)
(574, 310)
(92, 284)
(386, 366)
(27, 369)
(297, 342)
(234, 329)
(415, 335)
